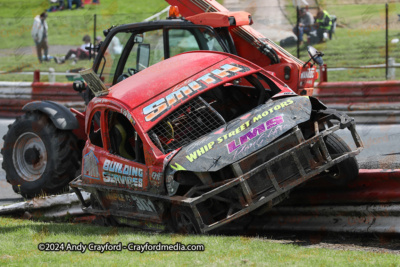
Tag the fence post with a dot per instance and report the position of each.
(94, 28)
(36, 76)
(94, 35)
(387, 40)
(52, 76)
(297, 31)
(323, 71)
(392, 70)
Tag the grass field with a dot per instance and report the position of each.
(359, 41)
(20, 240)
(66, 27)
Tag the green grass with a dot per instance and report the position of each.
(360, 41)
(69, 26)
(351, 49)
(29, 63)
(20, 239)
(65, 28)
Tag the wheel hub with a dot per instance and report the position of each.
(32, 156)
(185, 223)
(29, 156)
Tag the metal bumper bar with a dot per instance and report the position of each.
(282, 187)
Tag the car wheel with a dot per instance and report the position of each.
(183, 220)
(347, 170)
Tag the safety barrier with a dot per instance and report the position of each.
(368, 102)
(370, 204)
(14, 95)
(360, 95)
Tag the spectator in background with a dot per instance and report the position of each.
(306, 22)
(98, 40)
(78, 3)
(53, 7)
(299, 3)
(79, 53)
(323, 24)
(39, 35)
(115, 46)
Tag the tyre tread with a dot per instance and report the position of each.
(349, 167)
(65, 156)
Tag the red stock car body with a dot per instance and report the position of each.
(199, 140)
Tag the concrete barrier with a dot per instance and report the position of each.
(367, 102)
(14, 95)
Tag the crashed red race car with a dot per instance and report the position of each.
(201, 139)
(42, 148)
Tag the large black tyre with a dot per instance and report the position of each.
(37, 157)
(347, 170)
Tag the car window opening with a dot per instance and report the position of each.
(95, 132)
(124, 140)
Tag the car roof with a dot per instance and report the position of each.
(158, 80)
(148, 94)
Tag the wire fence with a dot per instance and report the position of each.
(69, 29)
(363, 46)
(365, 43)
(18, 52)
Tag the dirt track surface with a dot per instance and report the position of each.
(338, 241)
(367, 243)
(269, 16)
(28, 50)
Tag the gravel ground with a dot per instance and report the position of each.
(53, 50)
(339, 241)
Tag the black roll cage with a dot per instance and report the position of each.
(137, 28)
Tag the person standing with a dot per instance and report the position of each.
(39, 35)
